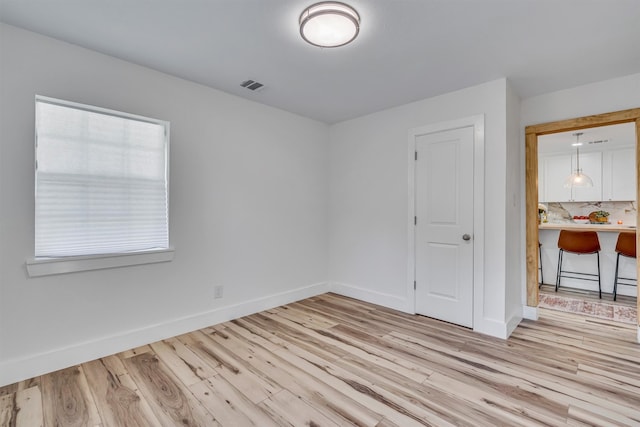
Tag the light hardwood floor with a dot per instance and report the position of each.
(334, 361)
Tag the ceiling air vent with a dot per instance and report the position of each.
(601, 141)
(252, 85)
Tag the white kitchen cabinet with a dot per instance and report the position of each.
(556, 168)
(619, 174)
(541, 191)
(591, 165)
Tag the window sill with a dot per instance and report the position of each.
(37, 267)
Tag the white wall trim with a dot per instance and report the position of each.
(37, 267)
(512, 324)
(15, 370)
(494, 328)
(385, 300)
(530, 313)
(477, 122)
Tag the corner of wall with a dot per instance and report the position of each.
(15, 370)
(491, 327)
(513, 323)
(496, 328)
(530, 313)
(386, 300)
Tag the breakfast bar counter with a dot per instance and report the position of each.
(586, 227)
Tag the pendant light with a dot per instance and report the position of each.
(578, 179)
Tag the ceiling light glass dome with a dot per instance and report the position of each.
(329, 24)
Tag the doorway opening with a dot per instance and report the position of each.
(532, 134)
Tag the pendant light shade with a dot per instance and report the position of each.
(329, 24)
(578, 179)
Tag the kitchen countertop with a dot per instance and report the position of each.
(587, 227)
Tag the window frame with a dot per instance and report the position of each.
(43, 266)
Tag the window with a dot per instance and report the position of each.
(101, 181)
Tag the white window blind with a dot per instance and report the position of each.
(101, 181)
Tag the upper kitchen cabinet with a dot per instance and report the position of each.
(619, 174)
(556, 168)
(553, 170)
(607, 156)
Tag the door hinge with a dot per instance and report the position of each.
(416, 156)
(414, 285)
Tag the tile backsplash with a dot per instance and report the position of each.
(619, 211)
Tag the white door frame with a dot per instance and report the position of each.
(477, 122)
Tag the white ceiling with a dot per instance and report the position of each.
(407, 49)
(592, 139)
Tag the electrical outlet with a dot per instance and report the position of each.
(218, 291)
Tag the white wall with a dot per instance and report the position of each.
(602, 97)
(513, 209)
(368, 200)
(248, 211)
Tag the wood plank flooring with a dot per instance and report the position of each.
(335, 361)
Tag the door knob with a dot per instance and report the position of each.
(466, 237)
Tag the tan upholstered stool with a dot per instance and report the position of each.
(626, 246)
(580, 243)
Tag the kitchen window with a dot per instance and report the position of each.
(101, 193)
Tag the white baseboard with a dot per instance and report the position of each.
(512, 324)
(491, 327)
(529, 312)
(12, 371)
(373, 297)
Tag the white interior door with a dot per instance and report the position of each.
(444, 225)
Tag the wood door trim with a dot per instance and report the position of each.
(606, 119)
(531, 182)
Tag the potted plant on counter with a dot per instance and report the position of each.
(542, 213)
(599, 217)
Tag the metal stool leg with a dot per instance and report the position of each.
(599, 284)
(559, 269)
(615, 281)
(541, 271)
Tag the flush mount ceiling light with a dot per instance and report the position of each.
(578, 179)
(329, 24)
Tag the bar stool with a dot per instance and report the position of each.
(540, 267)
(626, 246)
(580, 243)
